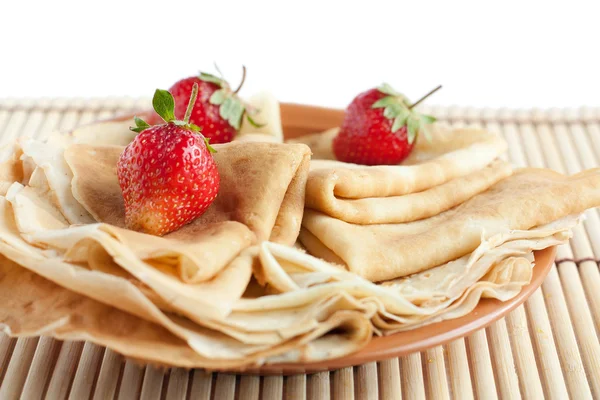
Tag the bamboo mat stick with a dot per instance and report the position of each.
(545, 351)
(458, 369)
(131, 381)
(504, 366)
(295, 387)
(201, 385)
(108, 377)
(572, 364)
(62, 375)
(152, 383)
(436, 383)
(225, 387)
(13, 126)
(318, 386)
(33, 124)
(593, 133)
(365, 382)
(87, 370)
(272, 387)
(178, 384)
(343, 383)
(41, 366)
(18, 368)
(481, 366)
(249, 387)
(389, 379)
(5, 115)
(529, 379)
(413, 386)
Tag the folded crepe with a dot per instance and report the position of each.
(499, 267)
(451, 167)
(262, 186)
(97, 265)
(528, 198)
(173, 264)
(33, 306)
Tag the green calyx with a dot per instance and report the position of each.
(164, 105)
(397, 107)
(231, 107)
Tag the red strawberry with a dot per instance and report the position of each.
(167, 173)
(379, 127)
(218, 110)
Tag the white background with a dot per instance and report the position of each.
(505, 53)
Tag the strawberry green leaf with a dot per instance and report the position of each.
(400, 119)
(211, 78)
(164, 104)
(140, 125)
(232, 110)
(208, 146)
(179, 122)
(194, 127)
(392, 111)
(253, 122)
(226, 107)
(414, 125)
(236, 113)
(218, 97)
(384, 102)
(387, 89)
(427, 119)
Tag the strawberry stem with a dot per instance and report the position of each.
(218, 70)
(424, 97)
(243, 79)
(190, 107)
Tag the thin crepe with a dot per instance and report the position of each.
(212, 300)
(49, 158)
(262, 186)
(498, 268)
(453, 166)
(529, 198)
(33, 306)
(194, 253)
(321, 188)
(112, 265)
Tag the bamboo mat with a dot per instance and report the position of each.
(547, 348)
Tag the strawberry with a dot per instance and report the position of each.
(379, 127)
(167, 173)
(218, 109)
